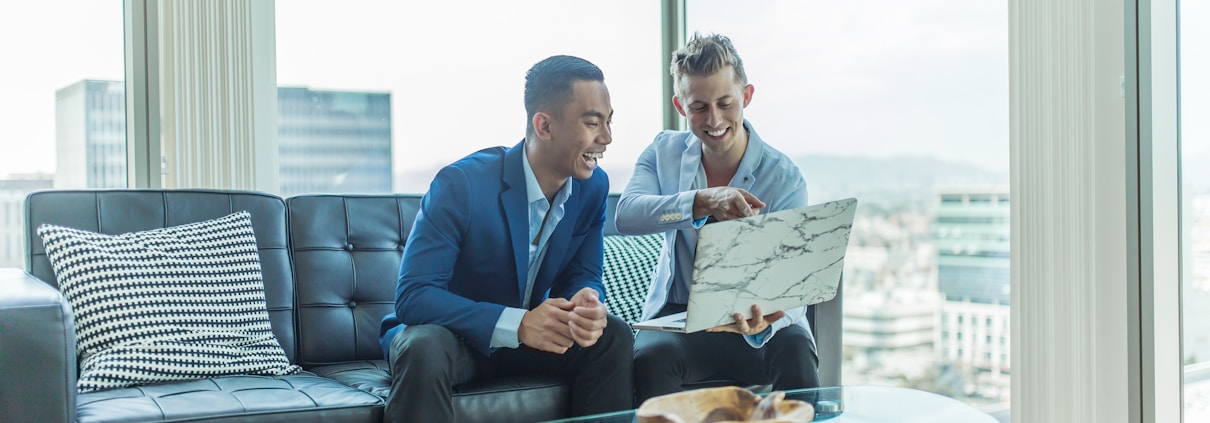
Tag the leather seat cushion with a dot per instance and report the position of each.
(297, 398)
(533, 398)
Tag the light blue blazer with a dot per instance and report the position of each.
(658, 199)
(467, 258)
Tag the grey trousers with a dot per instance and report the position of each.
(665, 361)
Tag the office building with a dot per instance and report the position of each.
(971, 233)
(328, 141)
(12, 218)
(90, 135)
(333, 141)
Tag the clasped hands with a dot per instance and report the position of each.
(557, 324)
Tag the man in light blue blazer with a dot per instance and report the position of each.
(718, 170)
(501, 273)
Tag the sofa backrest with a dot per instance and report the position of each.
(347, 250)
(339, 254)
(120, 211)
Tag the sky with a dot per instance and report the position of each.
(57, 43)
(861, 77)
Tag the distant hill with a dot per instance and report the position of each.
(892, 184)
(904, 183)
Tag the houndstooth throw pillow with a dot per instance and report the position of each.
(629, 263)
(178, 303)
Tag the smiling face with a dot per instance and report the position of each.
(714, 107)
(569, 141)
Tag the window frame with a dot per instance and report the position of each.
(1152, 207)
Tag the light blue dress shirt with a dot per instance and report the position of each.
(505, 334)
(660, 196)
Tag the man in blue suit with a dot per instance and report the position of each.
(719, 169)
(501, 273)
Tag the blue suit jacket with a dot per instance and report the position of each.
(467, 258)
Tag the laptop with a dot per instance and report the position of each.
(780, 260)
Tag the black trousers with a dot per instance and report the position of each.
(665, 361)
(427, 361)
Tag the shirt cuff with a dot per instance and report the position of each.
(505, 334)
(759, 340)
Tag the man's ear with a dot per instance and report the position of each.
(748, 90)
(676, 102)
(542, 123)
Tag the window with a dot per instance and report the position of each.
(64, 112)
(1194, 60)
(415, 86)
(903, 105)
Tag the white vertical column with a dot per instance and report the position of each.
(219, 94)
(1069, 239)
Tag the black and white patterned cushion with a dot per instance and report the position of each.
(629, 263)
(178, 303)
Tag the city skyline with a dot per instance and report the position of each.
(91, 48)
(328, 141)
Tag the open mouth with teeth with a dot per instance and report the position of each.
(591, 158)
(717, 132)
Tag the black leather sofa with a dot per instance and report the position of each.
(329, 264)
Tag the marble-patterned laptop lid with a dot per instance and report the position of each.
(780, 260)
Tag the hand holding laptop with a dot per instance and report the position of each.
(757, 324)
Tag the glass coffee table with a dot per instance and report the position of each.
(857, 404)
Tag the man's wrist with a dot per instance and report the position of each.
(758, 338)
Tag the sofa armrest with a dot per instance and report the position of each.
(37, 351)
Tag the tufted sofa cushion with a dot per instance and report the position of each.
(536, 398)
(295, 399)
(346, 253)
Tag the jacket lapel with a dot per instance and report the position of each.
(745, 176)
(691, 159)
(516, 212)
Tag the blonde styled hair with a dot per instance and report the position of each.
(704, 55)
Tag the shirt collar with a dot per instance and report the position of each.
(752, 153)
(533, 191)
